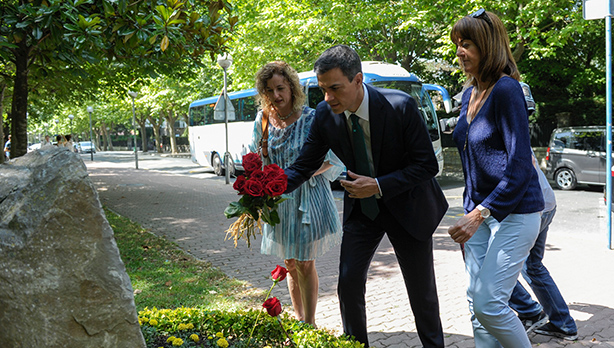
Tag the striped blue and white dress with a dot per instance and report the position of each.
(309, 221)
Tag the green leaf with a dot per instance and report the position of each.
(37, 33)
(234, 209)
(164, 13)
(274, 218)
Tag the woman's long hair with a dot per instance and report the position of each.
(492, 41)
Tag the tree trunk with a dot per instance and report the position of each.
(19, 107)
(108, 137)
(170, 125)
(143, 131)
(103, 136)
(141, 120)
(96, 139)
(156, 123)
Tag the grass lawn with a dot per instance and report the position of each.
(164, 276)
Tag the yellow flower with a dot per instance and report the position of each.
(182, 327)
(222, 343)
(170, 339)
(145, 319)
(210, 337)
(177, 342)
(190, 326)
(153, 322)
(194, 337)
(219, 334)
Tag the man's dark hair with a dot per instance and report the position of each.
(342, 57)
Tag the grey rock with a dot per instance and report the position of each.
(62, 281)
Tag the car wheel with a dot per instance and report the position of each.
(565, 179)
(216, 162)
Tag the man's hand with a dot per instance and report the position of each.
(361, 186)
(464, 228)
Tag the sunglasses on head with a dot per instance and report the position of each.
(481, 14)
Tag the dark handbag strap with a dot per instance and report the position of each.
(264, 141)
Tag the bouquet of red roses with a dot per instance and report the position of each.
(261, 190)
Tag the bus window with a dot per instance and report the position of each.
(197, 116)
(249, 109)
(209, 114)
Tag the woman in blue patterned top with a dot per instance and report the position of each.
(309, 222)
(502, 197)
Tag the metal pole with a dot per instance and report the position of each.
(226, 155)
(91, 138)
(608, 94)
(136, 156)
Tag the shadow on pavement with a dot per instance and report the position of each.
(594, 329)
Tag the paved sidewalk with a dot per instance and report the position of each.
(185, 203)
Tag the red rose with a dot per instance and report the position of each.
(251, 162)
(272, 171)
(273, 306)
(239, 184)
(257, 175)
(279, 273)
(276, 187)
(254, 188)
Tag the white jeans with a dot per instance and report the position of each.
(494, 257)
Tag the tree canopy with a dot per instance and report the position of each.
(41, 37)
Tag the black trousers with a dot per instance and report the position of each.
(361, 237)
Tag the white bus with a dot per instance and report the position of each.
(208, 134)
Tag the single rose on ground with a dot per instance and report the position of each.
(273, 306)
(279, 273)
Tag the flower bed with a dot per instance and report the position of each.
(192, 327)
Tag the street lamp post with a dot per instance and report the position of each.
(133, 95)
(89, 110)
(225, 61)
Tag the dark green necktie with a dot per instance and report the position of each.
(369, 204)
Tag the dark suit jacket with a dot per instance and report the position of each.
(404, 161)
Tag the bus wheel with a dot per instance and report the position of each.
(217, 165)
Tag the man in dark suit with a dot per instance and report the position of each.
(383, 141)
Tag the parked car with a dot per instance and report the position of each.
(577, 155)
(85, 147)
